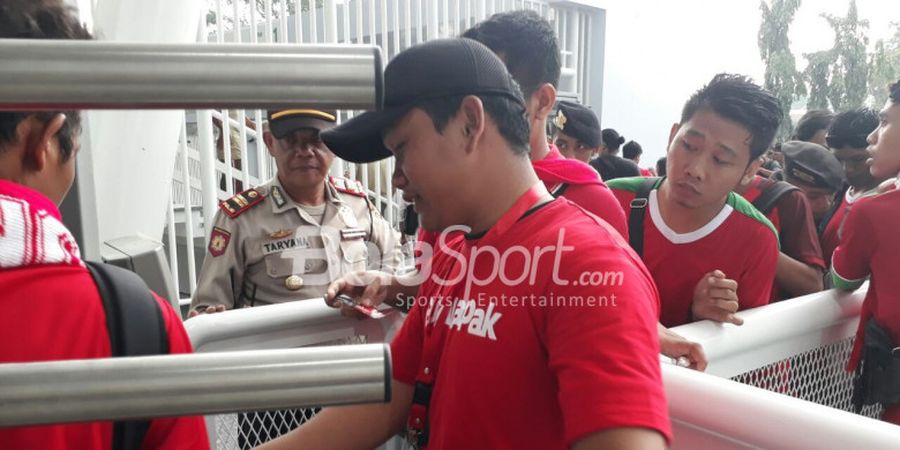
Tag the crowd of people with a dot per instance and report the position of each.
(548, 268)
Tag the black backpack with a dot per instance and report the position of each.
(136, 327)
(769, 197)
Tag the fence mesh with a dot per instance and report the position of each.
(817, 376)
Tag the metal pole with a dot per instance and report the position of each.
(52, 74)
(192, 384)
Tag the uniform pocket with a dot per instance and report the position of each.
(354, 253)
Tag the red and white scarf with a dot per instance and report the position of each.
(31, 230)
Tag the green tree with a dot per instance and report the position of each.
(781, 77)
(884, 66)
(840, 74)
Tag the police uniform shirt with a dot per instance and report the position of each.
(266, 249)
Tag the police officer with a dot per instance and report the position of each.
(289, 238)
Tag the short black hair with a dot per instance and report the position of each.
(508, 115)
(612, 140)
(632, 150)
(851, 128)
(526, 43)
(40, 19)
(810, 124)
(738, 99)
(661, 167)
(895, 92)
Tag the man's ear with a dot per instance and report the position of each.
(472, 111)
(42, 142)
(673, 131)
(544, 98)
(751, 171)
(269, 139)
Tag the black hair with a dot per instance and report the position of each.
(632, 150)
(40, 19)
(738, 99)
(509, 116)
(895, 92)
(850, 128)
(612, 140)
(810, 124)
(661, 167)
(526, 43)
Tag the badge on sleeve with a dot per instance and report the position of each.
(218, 241)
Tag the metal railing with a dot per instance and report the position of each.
(72, 74)
(190, 384)
(713, 412)
(796, 347)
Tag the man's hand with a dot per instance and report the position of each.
(715, 298)
(674, 346)
(207, 310)
(368, 288)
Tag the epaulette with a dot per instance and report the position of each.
(348, 186)
(240, 203)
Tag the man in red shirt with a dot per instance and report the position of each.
(847, 139)
(53, 308)
(528, 46)
(710, 252)
(868, 248)
(501, 349)
(800, 265)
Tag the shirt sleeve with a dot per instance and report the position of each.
(850, 261)
(755, 284)
(798, 229)
(406, 348)
(221, 276)
(176, 432)
(604, 352)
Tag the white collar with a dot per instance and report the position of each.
(692, 236)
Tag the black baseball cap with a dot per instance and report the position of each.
(812, 164)
(285, 121)
(579, 122)
(434, 69)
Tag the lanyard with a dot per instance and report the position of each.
(432, 348)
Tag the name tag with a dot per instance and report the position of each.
(284, 244)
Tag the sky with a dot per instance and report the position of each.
(659, 52)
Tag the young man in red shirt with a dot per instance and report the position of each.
(53, 308)
(847, 139)
(868, 248)
(800, 265)
(710, 252)
(501, 349)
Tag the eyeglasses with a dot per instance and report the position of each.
(852, 141)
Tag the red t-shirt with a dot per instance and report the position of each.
(53, 312)
(868, 248)
(831, 236)
(646, 172)
(596, 197)
(739, 241)
(521, 363)
(793, 219)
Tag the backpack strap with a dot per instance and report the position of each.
(766, 201)
(835, 205)
(136, 328)
(636, 215)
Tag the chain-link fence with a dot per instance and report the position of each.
(817, 375)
